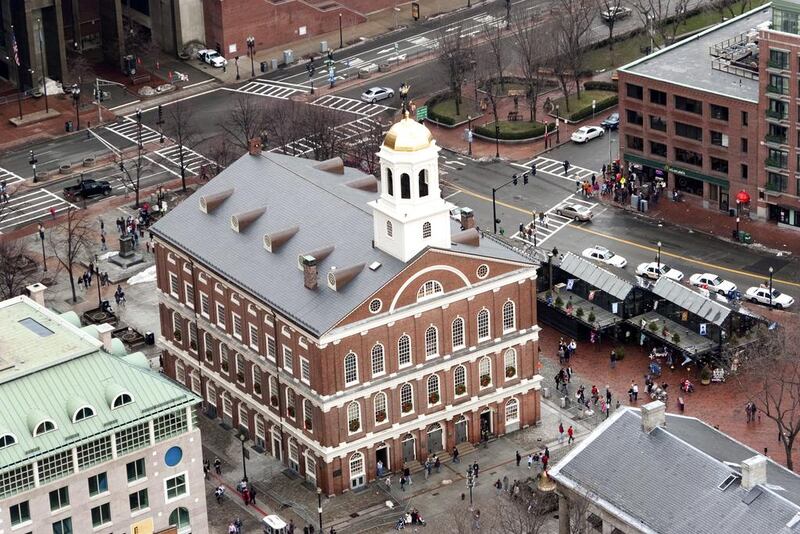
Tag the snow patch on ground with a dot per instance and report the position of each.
(148, 275)
(109, 254)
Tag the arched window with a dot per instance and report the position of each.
(389, 182)
(429, 289)
(512, 411)
(223, 357)
(458, 332)
(389, 229)
(84, 412)
(180, 372)
(405, 186)
(483, 325)
(426, 230)
(7, 440)
(121, 400)
(509, 318)
(356, 465)
(378, 360)
(353, 417)
(431, 342)
(433, 390)
(208, 346)
(256, 375)
(179, 518)
(485, 371)
(350, 369)
(510, 363)
(308, 415)
(404, 350)
(406, 398)
(423, 184)
(240, 368)
(44, 427)
(273, 391)
(244, 416)
(460, 380)
(291, 409)
(381, 413)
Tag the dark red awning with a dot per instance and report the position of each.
(743, 197)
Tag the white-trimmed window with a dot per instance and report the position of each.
(177, 326)
(224, 358)
(458, 333)
(431, 342)
(194, 378)
(509, 316)
(434, 396)
(353, 417)
(483, 325)
(7, 440)
(512, 411)
(485, 372)
(244, 416)
(208, 346)
(211, 393)
(308, 415)
(174, 286)
(237, 325)
(510, 363)
(429, 289)
(350, 369)
(305, 370)
(290, 403)
(221, 315)
(256, 371)
(288, 359)
(404, 350)
(253, 334)
(271, 348)
(274, 390)
(406, 398)
(381, 411)
(378, 360)
(241, 367)
(460, 380)
(44, 427)
(83, 413)
(20, 513)
(180, 372)
(426, 230)
(356, 465)
(389, 229)
(205, 307)
(188, 292)
(175, 487)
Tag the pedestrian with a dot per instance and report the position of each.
(103, 245)
(206, 468)
(427, 468)
(388, 483)
(402, 483)
(52, 213)
(545, 461)
(608, 396)
(571, 434)
(80, 281)
(635, 388)
(475, 468)
(630, 393)
(147, 246)
(102, 227)
(456, 460)
(246, 496)
(252, 490)
(437, 464)
(560, 432)
(290, 528)
(518, 457)
(379, 468)
(217, 462)
(498, 487)
(530, 461)
(407, 474)
(747, 412)
(613, 358)
(231, 528)
(219, 492)
(505, 483)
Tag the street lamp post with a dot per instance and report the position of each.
(469, 135)
(236, 60)
(496, 140)
(76, 96)
(737, 228)
(558, 119)
(658, 257)
(33, 161)
(242, 439)
(515, 181)
(99, 297)
(41, 238)
(771, 270)
(341, 36)
(550, 270)
(319, 508)
(251, 51)
(594, 103)
(41, 58)
(470, 485)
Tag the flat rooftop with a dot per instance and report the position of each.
(688, 62)
(33, 337)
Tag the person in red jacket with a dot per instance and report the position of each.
(571, 434)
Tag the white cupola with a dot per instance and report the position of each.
(410, 213)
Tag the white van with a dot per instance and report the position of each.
(273, 525)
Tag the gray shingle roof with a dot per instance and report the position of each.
(667, 484)
(596, 276)
(690, 300)
(327, 211)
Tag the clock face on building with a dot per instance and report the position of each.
(173, 456)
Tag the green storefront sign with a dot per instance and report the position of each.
(678, 171)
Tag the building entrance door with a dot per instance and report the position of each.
(382, 456)
(461, 429)
(435, 438)
(276, 447)
(409, 448)
(486, 422)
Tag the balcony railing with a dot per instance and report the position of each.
(776, 139)
(779, 115)
(779, 90)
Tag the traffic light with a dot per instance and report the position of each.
(533, 169)
(330, 55)
(160, 114)
(515, 180)
(525, 178)
(33, 159)
(138, 115)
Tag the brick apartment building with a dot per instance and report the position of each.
(339, 320)
(710, 115)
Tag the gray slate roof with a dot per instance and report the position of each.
(596, 276)
(327, 211)
(688, 62)
(690, 300)
(667, 484)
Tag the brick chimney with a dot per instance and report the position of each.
(754, 471)
(309, 271)
(467, 218)
(105, 331)
(36, 291)
(654, 414)
(255, 146)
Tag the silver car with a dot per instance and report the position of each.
(577, 212)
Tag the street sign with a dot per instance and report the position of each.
(422, 113)
(415, 10)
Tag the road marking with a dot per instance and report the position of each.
(555, 222)
(556, 169)
(346, 132)
(9, 178)
(350, 105)
(192, 161)
(129, 129)
(32, 206)
(448, 197)
(272, 90)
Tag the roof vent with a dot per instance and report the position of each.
(375, 265)
(470, 237)
(333, 166)
(209, 203)
(733, 477)
(240, 221)
(276, 240)
(367, 183)
(793, 522)
(319, 255)
(754, 471)
(338, 279)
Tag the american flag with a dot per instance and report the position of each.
(14, 46)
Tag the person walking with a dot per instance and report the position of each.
(206, 468)
(635, 388)
(219, 492)
(427, 468)
(560, 432)
(517, 457)
(388, 483)
(252, 490)
(437, 464)
(402, 483)
(498, 487)
(505, 483)
(571, 434)
(530, 461)
(407, 474)
(217, 464)
(613, 359)
(456, 460)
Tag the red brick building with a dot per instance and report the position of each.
(341, 320)
(712, 116)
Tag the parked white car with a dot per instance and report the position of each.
(212, 57)
(616, 13)
(761, 295)
(606, 256)
(712, 282)
(374, 94)
(654, 271)
(586, 133)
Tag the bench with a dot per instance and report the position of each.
(514, 116)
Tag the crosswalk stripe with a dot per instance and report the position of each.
(349, 105)
(555, 221)
(31, 206)
(271, 90)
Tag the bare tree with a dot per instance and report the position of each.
(133, 182)
(492, 91)
(15, 273)
(492, 35)
(180, 127)
(364, 148)
(662, 19)
(770, 377)
(530, 55)
(69, 241)
(611, 8)
(573, 20)
(456, 56)
(319, 125)
(79, 70)
(223, 153)
(246, 120)
(284, 124)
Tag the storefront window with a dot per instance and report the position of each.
(689, 185)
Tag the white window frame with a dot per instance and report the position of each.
(389, 229)
(510, 353)
(208, 346)
(220, 315)
(177, 323)
(350, 375)
(185, 476)
(205, 305)
(457, 382)
(431, 351)
(378, 408)
(288, 356)
(174, 286)
(357, 406)
(240, 366)
(410, 361)
(381, 355)
(257, 376)
(253, 336)
(410, 399)
(271, 347)
(460, 345)
(244, 421)
(236, 325)
(292, 404)
(180, 372)
(308, 415)
(305, 370)
(427, 230)
(436, 381)
(487, 326)
(188, 295)
(488, 372)
(430, 289)
(512, 318)
(513, 401)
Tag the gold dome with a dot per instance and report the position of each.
(408, 136)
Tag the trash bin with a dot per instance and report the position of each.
(563, 402)
(323, 47)
(68, 126)
(635, 201)
(149, 338)
(735, 235)
(747, 238)
(546, 393)
(273, 63)
(732, 212)
(740, 237)
(264, 66)
(288, 57)
(644, 205)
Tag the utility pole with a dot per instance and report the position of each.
(515, 181)
(33, 162)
